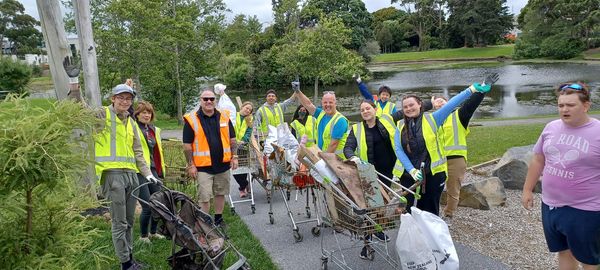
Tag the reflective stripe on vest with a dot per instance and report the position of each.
(455, 136)
(307, 129)
(200, 147)
(146, 149)
(361, 139)
(267, 117)
(387, 109)
(326, 136)
(241, 126)
(114, 145)
(432, 143)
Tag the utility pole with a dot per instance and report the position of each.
(83, 24)
(56, 44)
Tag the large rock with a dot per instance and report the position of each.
(484, 194)
(512, 167)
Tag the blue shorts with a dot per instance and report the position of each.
(571, 228)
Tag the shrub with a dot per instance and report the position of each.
(15, 75)
(36, 71)
(40, 198)
(237, 71)
(525, 50)
(561, 47)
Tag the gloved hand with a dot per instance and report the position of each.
(296, 85)
(356, 160)
(220, 89)
(417, 175)
(357, 78)
(72, 69)
(491, 79)
(153, 179)
(477, 87)
(396, 179)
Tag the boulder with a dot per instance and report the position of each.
(483, 194)
(512, 167)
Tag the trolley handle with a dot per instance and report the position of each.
(159, 183)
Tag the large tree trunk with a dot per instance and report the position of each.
(56, 44)
(83, 22)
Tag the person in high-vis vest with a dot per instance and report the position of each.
(382, 99)
(419, 139)
(455, 130)
(243, 132)
(303, 125)
(332, 126)
(271, 113)
(153, 154)
(374, 135)
(210, 149)
(119, 155)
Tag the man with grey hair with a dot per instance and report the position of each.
(210, 149)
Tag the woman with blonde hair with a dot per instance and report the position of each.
(243, 131)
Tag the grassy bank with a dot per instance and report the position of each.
(464, 53)
(487, 143)
(39, 84)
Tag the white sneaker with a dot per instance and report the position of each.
(145, 240)
(157, 236)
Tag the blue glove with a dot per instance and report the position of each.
(477, 87)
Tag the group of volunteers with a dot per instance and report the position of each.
(407, 144)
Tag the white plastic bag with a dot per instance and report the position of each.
(286, 139)
(438, 238)
(271, 138)
(225, 103)
(412, 248)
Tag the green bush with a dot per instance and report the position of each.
(526, 50)
(36, 71)
(561, 47)
(15, 75)
(40, 197)
(237, 71)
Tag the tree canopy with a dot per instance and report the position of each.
(19, 28)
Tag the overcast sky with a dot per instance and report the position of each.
(262, 8)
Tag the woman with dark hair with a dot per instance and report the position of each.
(419, 141)
(243, 131)
(153, 153)
(568, 154)
(303, 124)
(374, 135)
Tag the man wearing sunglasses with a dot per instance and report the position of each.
(210, 149)
(119, 155)
(271, 112)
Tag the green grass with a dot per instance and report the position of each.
(487, 143)
(40, 84)
(165, 124)
(464, 53)
(595, 55)
(554, 115)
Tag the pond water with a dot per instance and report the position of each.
(522, 90)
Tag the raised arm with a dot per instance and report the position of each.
(364, 91)
(441, 114)
(400, 154)
(305, 101)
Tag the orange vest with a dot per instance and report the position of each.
(200, 147)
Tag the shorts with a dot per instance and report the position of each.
(210, 185)
(575, 229)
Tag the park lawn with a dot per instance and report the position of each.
(167, 123)
(487, 143)
(38, 84)
(595, 55)
(459, 53)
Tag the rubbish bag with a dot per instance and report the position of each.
(438, 238)
(286, 139)
(225, 105)
(271, 138)
(412, 248)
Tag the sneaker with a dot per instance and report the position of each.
(382, 236)
(156, 236)
(136, 266)
(221, 224)
(145, 240)
(363, 253)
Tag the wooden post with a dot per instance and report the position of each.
(56, 44)
(83, 23)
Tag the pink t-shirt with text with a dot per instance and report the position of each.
(571, 175)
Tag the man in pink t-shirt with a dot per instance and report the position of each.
(567, 156)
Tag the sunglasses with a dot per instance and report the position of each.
(208, 98)
(574, 86)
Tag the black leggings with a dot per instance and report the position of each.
(242, 180)
(430, 193)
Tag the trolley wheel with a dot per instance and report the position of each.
(271, 219)
(288, 194)
(298, 237)
(370, 253)
(253, 208)
(232, 211)
(316, 231)
(308, 213)
(324, 263)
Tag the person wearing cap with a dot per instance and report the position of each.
(382, 99)
(271, 112)
(119, 156)
(210, 149)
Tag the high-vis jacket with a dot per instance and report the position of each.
(147, 149)
(200, 147)
(327, 133)
(455, 136)
(433, 143)
(309, 129)
(268, 118)
(361, 140)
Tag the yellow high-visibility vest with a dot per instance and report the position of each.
(433, 143)
(268, 118)
(307, 129)
(114, 145)
(147, 149)
(387, 109)
(327, 133)
(455, 136)
(241, 126)
(361, 149)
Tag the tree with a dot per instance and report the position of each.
(19, 28)
(286, 15)
(238, 36)
(422, 16)
(319, 54)
(15, 75)
(353, 14)
(479, 22)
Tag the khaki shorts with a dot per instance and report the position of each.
(210, 185)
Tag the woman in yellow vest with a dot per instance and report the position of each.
(303, 124)
(419, 141)
(153, 154)
(243, 131)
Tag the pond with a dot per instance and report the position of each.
(523, 90)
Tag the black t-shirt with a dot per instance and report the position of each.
(210, 125)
